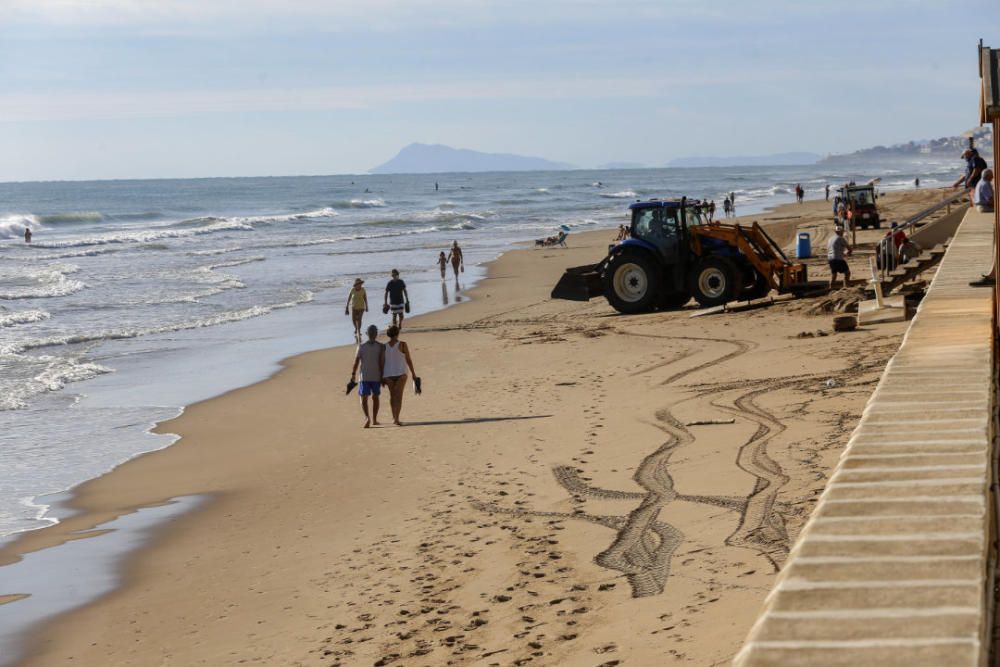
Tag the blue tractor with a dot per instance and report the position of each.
(674, 253)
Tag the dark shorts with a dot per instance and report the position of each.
(839, 266)
(396, 308)
(369, 388)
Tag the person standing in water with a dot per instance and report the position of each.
(27, 234)
(443, 265)
(397, 360)
(435, 186)
(357, 306)
(371, 358)
(456, 258)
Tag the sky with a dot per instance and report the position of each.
(96, 89)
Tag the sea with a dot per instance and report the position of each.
(136, 298)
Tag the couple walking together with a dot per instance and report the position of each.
(382, 365)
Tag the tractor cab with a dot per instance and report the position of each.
(661, 225)
(863, 198)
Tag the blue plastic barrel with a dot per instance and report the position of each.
(803, 247)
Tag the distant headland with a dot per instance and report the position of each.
(437, 158)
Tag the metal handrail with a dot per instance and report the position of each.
(888, 254)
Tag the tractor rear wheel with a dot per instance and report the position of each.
(715, 281)
(632, 283)
(756, 289)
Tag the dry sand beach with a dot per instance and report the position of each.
(551, 501)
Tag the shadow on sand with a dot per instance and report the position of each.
(475, 420)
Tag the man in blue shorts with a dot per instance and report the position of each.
(371, 358)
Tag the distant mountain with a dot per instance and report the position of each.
(944, 146)
(435, 158)
(622, 165)
(776, 159)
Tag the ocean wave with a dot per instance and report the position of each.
(56, 373)
(74, 253)
(624, 194)
(233, 262)
(151, 235)
(9, 319)
(225, 317)
(325, 212)
(377, 202)
(69, 217)
(38, 283)
(12, 225)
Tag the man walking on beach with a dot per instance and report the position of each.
(835, 254)
(397, 300)
(371, 358)
(827, 190)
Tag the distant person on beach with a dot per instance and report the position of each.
(456, 258)
(435, 186)
(371, 358)
(727, 208)
(357, 304)
(443, 264)
(397, 360)
(711, 210)
(827, 191)
(397, 300)
(836, 251)
(841, 212)
(974, 168)
(799, 193)
(27, 234)
(732, 204)
(916, 182)
(984, 196)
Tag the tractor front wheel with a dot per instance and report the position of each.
(715, 281)
(632, 283)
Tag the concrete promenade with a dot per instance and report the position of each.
(891, 568)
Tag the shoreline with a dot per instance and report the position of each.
(162, 475)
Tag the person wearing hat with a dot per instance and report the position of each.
(357, 306)
(836, 251)
(974, 168)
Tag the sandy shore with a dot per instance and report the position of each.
(549, 501)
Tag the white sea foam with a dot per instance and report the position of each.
(12, 226)
(91, 252)
(24, 282)
(624, 194)
(367, 203)
(211, 226)
(56, 374)
(9, 319)
(22, 346)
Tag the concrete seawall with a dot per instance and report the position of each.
(893, 566)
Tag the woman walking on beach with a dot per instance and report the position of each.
(397, 360)
(456, 258)
(357, 304)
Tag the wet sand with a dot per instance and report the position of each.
(549, 501)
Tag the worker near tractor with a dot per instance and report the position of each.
(837, 249)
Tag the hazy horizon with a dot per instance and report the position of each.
(126, 89)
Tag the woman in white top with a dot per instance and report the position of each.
(397, 360)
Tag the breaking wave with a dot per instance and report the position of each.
(8, 319)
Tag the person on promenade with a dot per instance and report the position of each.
(443, 265)
(983, 196)
(357, 306)
(27, 234)
(827, 191)
(836, 251)
(397, 360)
(371, 358)
(974, 168)
(456, 258)
(397, 299)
